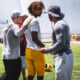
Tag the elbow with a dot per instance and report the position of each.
(34, 40)
(18, 35)
(62, 44)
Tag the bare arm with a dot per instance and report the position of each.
(61, 40)
(36, 40)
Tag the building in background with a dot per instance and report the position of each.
(71, 9)
(6, 7)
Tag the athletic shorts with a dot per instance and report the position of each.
(23, 60)
(35, 62)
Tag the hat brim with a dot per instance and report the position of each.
(54, 15)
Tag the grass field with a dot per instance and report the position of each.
(49, 59)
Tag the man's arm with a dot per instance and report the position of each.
(36, 40)
(60, 37)
(34, 33)
(18, 32)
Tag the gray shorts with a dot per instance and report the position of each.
(23, 60)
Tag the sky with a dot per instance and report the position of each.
(70, 8)
(6, 8)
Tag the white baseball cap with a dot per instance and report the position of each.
(16, 13)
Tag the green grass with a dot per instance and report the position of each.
(49, 59)
(1, 63)
(76, 68)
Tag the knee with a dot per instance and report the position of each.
(59, 73)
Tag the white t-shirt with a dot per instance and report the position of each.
(33, 26)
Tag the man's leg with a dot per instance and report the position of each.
(23, 67)
(17, 68)
(12, 69)
(7, 65)
(30, 64)
(62, 67)
(23, 73)
(70, 66)
(30, 77)
(39, 62)
(59, 67)
(31, 69)
(40, 77)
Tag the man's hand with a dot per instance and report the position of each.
(27, 21)
(43, 50)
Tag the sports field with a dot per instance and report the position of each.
(49, 59)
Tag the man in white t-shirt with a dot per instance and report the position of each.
(35, 59)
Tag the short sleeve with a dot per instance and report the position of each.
(35, 26)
